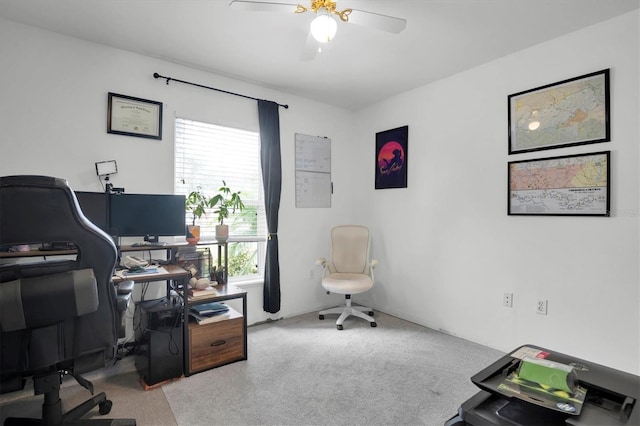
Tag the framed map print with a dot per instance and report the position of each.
(570, 112)
(571, 185)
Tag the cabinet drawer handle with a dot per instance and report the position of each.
(218, 343)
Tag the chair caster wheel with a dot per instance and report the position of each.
(370, 313)
(321, 317)
(105, 407)
(373, 324)
(339, 327)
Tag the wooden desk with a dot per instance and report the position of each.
(36, 253)
(173, 272)
(211, 345)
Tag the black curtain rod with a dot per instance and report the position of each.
(156, 75)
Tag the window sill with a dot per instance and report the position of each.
(248, 283)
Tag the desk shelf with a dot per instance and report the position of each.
(210, 345)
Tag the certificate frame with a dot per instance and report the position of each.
(570, 112)
(131, 116)
(568, 185)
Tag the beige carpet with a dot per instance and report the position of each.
(129, 398)
(301, 371)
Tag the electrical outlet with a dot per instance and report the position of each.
(507, 300)
(541, 307)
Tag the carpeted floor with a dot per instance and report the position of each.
(129, 398)
(302, 371)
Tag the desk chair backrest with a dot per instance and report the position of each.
(350, 246)
(40, 209)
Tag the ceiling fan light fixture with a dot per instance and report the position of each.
(323, 27)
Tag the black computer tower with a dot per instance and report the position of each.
(159, 355)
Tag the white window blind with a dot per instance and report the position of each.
(205, 155)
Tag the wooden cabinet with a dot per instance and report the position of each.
(217, 343)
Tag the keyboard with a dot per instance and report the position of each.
(148, 244)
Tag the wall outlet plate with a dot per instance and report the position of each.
(541, 307)
(507, 300)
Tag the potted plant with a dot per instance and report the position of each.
(196, 203)
(225, 203)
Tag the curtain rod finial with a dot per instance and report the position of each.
(156, 75)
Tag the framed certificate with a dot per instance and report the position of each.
(134, 117)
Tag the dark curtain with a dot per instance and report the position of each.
(272, 179)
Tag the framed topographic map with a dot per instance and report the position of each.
(570, 112)
(571, 185)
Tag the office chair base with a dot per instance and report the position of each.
(52, 413)
(348, 310)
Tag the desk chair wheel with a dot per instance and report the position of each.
(373, 324)
(105, 407)
(370, 313)
(340, 327)
(321, 317)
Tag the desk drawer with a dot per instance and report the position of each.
(216, 344)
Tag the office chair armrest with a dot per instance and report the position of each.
(123, 300)
(124, 287)
(124, 290)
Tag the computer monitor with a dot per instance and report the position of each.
(95, 207)
(146, 215)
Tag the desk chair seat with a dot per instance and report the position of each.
(342, 283)
(349, 271)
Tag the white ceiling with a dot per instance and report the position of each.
(360, 66)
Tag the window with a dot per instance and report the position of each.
(205, 155)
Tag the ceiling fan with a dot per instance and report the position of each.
(324, 27)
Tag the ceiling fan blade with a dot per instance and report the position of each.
(310, 48)
(263, 6)
(380, 22)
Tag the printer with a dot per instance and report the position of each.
(608, 396)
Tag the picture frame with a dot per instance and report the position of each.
(568, 185)
(391, 158)
(571, 112)
(131, 116)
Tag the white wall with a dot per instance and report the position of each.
(448, 249)
(446, 246)
(53, 119)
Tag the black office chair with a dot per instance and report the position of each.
(57, 317)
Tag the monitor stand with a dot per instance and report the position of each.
(153, 241)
